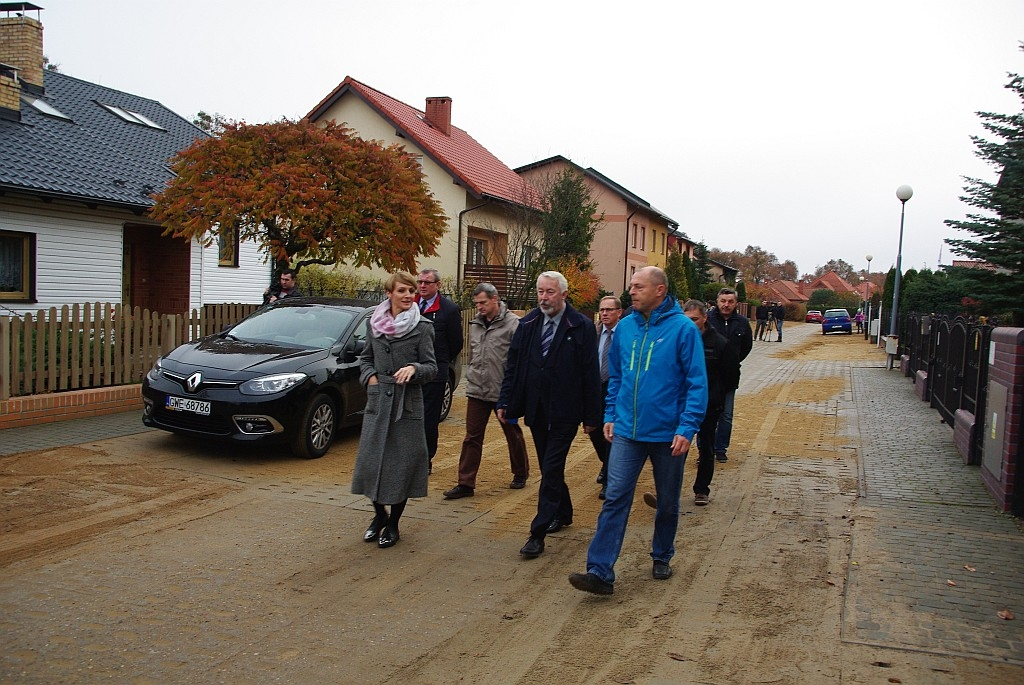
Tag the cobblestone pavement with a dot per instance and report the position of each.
(933, 561)
(74, 432)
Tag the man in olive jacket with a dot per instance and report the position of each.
(490, 334)
(552, 380)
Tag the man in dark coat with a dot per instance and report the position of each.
(610, 311)
(723, 368)
(552, 380)
(736, 330)
(779, 312)
(448, 340)
(761, 314)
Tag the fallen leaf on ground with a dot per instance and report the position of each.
(950, 583)
(970, 568)
(1005, 614)
(677, 657)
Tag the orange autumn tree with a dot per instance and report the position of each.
(306, 193)
(584, 285)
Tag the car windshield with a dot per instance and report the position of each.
(833, 313)
(306, 326)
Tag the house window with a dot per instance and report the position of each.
(526, 258)
(662, 243)
(477, 252)
(634, 234)
(17, 266)
(654, 239)
(643, 238)
(227, 246)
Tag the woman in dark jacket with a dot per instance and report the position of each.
(391, 465)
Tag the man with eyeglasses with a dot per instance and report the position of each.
(447, 320)
(610, 312)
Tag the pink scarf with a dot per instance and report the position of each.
(382, 324)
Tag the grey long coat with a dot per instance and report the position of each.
(391, 465)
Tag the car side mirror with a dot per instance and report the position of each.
(352, 350)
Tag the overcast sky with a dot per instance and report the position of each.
(787, 125)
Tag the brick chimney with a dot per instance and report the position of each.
(21, 46)
(10, 93)
(439, 114)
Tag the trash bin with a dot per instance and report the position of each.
(892, 344)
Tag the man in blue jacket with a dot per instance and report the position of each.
(657, 396)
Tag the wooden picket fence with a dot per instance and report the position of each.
(96, 345)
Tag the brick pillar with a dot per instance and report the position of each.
(21, 46)
(1001, 470)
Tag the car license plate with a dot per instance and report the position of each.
(185, 404)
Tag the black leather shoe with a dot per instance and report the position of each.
(388, 537)
(604, 492)
(557, 525)
(376, 526)
(533, 548)
(601, 478)
(458, 491)
(588, 582)
(661, 570)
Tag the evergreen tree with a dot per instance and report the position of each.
(569, 220)
(998, 227)
(702, 265)
(675, 269)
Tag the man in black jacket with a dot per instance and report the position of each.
(723, 366)
(448, 340)
(552, 380)
(736, 330)
(761, 314)
(779, 312)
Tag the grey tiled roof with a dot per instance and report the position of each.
(97, 156)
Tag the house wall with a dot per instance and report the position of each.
(78, 252)
(211, 283)
(354, 113)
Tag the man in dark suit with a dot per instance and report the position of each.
(448, 340)
(552, 380)
(610, 311)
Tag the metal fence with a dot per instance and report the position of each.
(954, 353)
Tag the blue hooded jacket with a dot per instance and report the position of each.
(657, 379)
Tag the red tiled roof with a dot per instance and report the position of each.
(974, 264)
(830, 280)
(469, 162)
(788, 291)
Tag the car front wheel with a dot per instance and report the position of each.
(446, 398)
(316, 430)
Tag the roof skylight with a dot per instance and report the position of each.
(44, 107)
(132, 117)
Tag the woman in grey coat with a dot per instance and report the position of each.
(392, 462)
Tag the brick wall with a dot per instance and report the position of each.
(1006, 482)
(61, 406)
(21, 46)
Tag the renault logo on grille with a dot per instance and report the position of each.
(193, 381)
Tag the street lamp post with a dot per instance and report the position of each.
(867, 302)
(903, 193)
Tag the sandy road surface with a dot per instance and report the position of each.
(153, 559)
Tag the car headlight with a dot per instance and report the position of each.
(271, 384)
(154, 372)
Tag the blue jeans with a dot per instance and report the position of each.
(778, 322)
(625, 461)
(724, 431)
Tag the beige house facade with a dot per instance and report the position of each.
(483, 199)
(632, 234)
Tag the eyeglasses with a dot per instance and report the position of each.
(426, 282)
(608, 309)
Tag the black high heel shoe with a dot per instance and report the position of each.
(377, 525)
(388, 537)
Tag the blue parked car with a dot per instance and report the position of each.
(836, 320)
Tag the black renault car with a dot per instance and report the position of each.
(287, 372)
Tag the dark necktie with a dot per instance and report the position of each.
(604, 354)
(549, 335)
(423, 306)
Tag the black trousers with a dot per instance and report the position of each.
(433, 392)
(706, 447)
(601, 446)
(552, 441)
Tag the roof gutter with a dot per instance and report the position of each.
(458, 258)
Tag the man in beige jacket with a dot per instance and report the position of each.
(490, 334)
